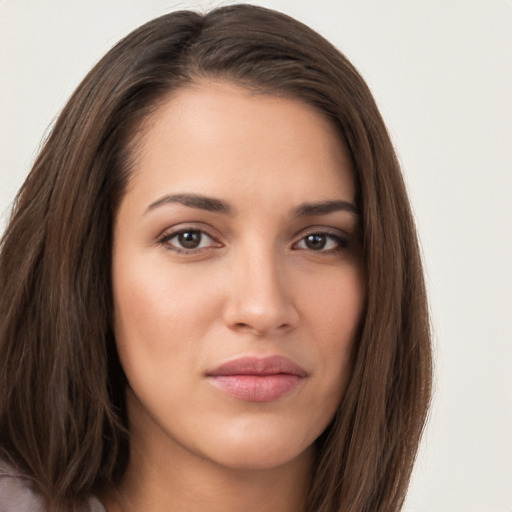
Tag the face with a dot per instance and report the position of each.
(237, 278)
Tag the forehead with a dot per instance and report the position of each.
(222, 139)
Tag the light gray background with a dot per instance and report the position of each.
(441, 71)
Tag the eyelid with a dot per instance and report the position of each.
(342, 237)
(323, 230)
(173, 231)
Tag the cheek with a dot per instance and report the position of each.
(158, 313)
(336, 304)
(335, 313)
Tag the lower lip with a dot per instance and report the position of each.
(256, 388)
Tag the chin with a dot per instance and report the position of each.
(259, 447)
(258, 458)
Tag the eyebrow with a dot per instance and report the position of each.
(193, 201)
(324, 208)
(217, 205)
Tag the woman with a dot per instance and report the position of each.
(212, 290)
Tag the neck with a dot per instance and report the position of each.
(169, 487)
(164, 476)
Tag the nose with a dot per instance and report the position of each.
(260, 298)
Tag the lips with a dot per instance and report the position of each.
(255, 379)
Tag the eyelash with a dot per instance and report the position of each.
(166, 241)
(341, 243)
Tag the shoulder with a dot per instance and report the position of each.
(18, 495)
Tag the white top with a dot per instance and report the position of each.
(18, 495)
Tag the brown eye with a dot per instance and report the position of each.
(189, 239)
(322, 242)
(315, 242)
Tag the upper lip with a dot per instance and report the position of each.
(250, 365)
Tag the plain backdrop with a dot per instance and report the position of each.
(441, 71)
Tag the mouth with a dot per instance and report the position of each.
(254, 379)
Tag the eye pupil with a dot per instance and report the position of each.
(190, 239)
(315, 241)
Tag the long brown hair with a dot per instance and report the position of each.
(62, 415)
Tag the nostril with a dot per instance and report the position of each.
(251, 311)
(241, 326)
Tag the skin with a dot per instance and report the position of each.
(253, 285)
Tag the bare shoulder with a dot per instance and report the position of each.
(17, 494)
